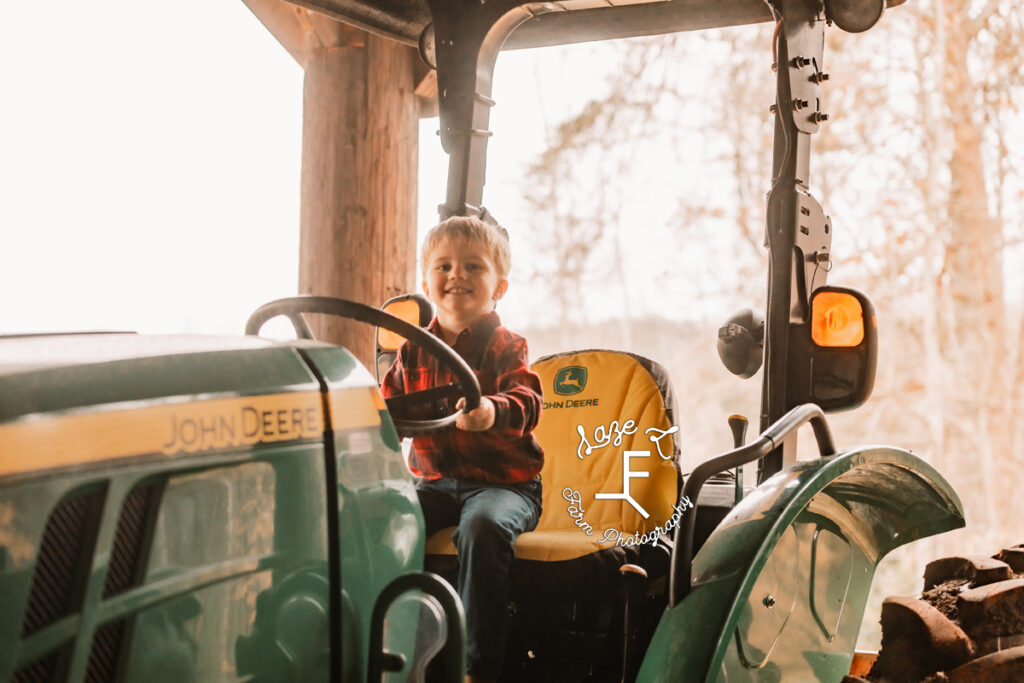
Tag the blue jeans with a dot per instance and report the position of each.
(489, 519)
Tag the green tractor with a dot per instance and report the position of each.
(197, 509)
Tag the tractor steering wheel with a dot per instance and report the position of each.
(468, 386)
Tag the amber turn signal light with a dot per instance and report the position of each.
(837, 320)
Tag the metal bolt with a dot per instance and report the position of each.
(799, 104)
(801, 62)
(774, 108)
(819, 77)
(818, 117)
(769, 601)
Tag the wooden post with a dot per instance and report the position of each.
(359, 162)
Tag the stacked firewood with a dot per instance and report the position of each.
(966, 627)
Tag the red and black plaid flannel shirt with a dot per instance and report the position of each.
(507, 453)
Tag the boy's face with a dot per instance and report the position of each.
(462, 281)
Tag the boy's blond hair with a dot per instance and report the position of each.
(470, 229)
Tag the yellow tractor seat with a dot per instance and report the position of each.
(610, 456)
(610, 483)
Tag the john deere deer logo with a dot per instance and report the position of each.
(570, 380)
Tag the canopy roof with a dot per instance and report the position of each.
(568, 21)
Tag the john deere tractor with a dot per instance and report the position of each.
(210, 509)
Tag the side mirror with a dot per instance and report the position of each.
(843, 348)
(741, 343)
(414, 309)
(855, 16)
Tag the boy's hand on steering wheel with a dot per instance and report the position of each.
(477, 420)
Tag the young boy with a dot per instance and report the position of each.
(481, 476)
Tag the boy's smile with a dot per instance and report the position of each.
(463, 282)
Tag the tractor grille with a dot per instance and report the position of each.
(137, 515)
(65, 554)
(106, 644)
(40, 671)
(62, 568)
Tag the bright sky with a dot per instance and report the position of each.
(149, 166)
(150, 163)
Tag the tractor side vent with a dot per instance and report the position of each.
(65, 555)
(106, 644)
(137, 516)
(40, 671)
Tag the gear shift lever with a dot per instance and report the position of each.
(738, 425)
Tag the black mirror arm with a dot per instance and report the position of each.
(681, 577)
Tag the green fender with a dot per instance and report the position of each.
(780, 587)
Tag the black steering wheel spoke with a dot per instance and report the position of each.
(403, 402)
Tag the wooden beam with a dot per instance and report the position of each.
(300, 31)
(359, 164)
(357, 219)
(284, 22)
(426, 93)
